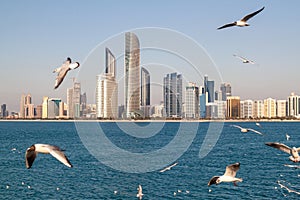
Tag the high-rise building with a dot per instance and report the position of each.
(132, 74)
(233, 107)
(293, 105)
(172, 93)
(3, 111)
(145, 92)
(39, 111)
(22, 106)
(192, 101)
(225, 90)
(107, 89)
(270, 108)
(26, 107)
(211, 110)
(53, 108)
(45, 108)
(70, 111)
(209, 87)
(76, 99)
(281, 108)
(248, 108)
(258, 109)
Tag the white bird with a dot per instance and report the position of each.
(292, 151)
(245, 130)
(229, 175)
(243, 21)
(169, 167)
(287, 136)
(258, 124)
(140, 192)
(55, 151)
(63, 70)
(243, 59)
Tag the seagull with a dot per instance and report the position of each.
(245, 130)
(63, 70)
(244, 60)
(140, 192)
(169, 167)
(55, 151)
(258, 124)
(292, 151)
(242, 22)
(229, 175)
(287, 136)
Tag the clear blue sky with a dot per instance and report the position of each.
(37, 36)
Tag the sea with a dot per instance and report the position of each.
(111, 159)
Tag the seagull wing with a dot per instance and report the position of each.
(255, 131)
(239, 57)
(57, 153)
(30, 156)
(252, 15)
(236, 126)
(232, 169)
(279, 146)
(298, 149)
(68, 61)
(227, 25)
(61, 75)
(213, 180)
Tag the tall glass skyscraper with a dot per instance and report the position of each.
(225, 90)
(107, 90)
(145, 92)
(132, 74)
(209, 87)
(192, 101)
(172, 92)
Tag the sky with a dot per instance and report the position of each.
(37, 36)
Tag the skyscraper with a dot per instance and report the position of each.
(192, 101)
(233, 107)
(132, 74)
(107, 90)
(226, 90)
(172, 92)
(70, 111)
(209, 87)
(26, 107)
(3, 111)
(145, 92)
(270, 107)
(53, 108)
(45, 108)
(293, 105)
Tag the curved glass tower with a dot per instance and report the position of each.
(132, 74)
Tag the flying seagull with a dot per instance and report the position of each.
(242, 22)
(140, 192)
(169, 167)
(287, 136)
(229, 175)
(63, 70)
(245, 130)
(244, 60)
(258, 124)
(55, 151)
(292, 151)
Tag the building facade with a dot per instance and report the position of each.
(145, 92)
(132, 74)
(192, 101)
(107, 89)
(269, 108)
(233, 109)
(172, 92)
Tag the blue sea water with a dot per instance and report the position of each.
(90, 178)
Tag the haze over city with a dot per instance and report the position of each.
(38, 36)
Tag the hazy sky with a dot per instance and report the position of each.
(37, 36)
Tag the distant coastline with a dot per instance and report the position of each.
(149, 120)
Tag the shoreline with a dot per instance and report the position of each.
(160, 121)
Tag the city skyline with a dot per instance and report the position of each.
(31, 45)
